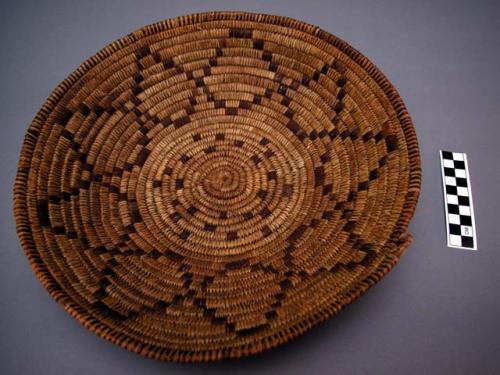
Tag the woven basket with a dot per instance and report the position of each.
(214, 185)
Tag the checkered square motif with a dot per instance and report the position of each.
(460, 225)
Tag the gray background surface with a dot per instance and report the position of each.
(437, 312)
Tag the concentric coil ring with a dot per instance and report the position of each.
(212, 185)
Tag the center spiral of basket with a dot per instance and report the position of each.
(219, 186)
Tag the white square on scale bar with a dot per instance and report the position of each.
(458, 156)
(460, 173)
(464, 210)
(450, 181)
(465, 230)
(454, 219)
(448, 163)
(455, 240)
(462, 191)
(452, 199)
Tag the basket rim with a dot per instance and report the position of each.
(398, 242)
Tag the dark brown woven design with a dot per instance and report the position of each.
(214, 185)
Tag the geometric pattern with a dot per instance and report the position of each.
(213, 186)
(460, 225)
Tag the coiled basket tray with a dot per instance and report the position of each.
(214, 185)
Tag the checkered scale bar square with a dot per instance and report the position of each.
(460, 226)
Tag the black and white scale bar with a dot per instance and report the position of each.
(459, 210)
